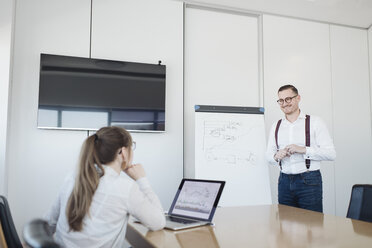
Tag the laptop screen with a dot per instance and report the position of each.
(197, 199)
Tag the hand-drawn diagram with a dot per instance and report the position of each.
(231, 147)
(199, 198)
(224, 142)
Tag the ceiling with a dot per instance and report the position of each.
(356, 13)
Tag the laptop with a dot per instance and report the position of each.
(194, 203)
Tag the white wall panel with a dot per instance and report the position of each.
(6, 24)
(352, 111)
(370, 62)
(147, 31)
(39, 160)
(297, 52)
(221, 66)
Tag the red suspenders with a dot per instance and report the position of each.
(307, 133)
(276, 140)
(307, 138)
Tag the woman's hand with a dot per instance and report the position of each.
(135, 171)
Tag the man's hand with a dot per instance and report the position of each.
(279, 155)
(292, 149)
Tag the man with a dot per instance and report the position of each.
(298, 150)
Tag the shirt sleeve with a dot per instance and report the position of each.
(323, 150)
(271, 146)
(144, 205)
(53, 213)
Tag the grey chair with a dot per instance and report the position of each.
(360, 206)
(38, 235)
(10, 233)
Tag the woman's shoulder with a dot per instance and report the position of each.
(69, 179)
(124, 178)
(67, 184)
(120, 184)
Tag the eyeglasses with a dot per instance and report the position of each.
(287, 100)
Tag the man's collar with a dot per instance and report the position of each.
(302, 115)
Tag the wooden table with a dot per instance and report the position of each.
(261, 226)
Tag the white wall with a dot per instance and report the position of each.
(221, 65)
(297, 52)
(141, 31)
(6, 26)
(38, 160)
(352, 111)
(370, 61)
(329, 66)
(147, 31)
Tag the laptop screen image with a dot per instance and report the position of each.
(197, 199)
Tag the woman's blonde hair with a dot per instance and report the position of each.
(98, 149)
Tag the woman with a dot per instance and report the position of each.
(92, 209)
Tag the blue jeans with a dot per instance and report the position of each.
(302, 190)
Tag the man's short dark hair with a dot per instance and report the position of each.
(288, 86)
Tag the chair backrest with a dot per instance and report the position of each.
(2, 239)
(10, 233)
(360, 206)
(38, 235)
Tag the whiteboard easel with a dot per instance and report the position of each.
(230, 145)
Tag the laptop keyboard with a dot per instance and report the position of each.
(180, 220)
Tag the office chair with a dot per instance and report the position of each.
(360, 206)
(2, 238)
(38, 235)
(10, 233)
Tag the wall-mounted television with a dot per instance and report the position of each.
(87, 94)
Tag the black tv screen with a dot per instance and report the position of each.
(87, 94)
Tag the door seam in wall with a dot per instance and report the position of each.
(90, 28)
(183, 89)
(333, 114)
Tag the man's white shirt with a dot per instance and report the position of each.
(321, 144)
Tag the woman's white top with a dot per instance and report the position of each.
(116, 197)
